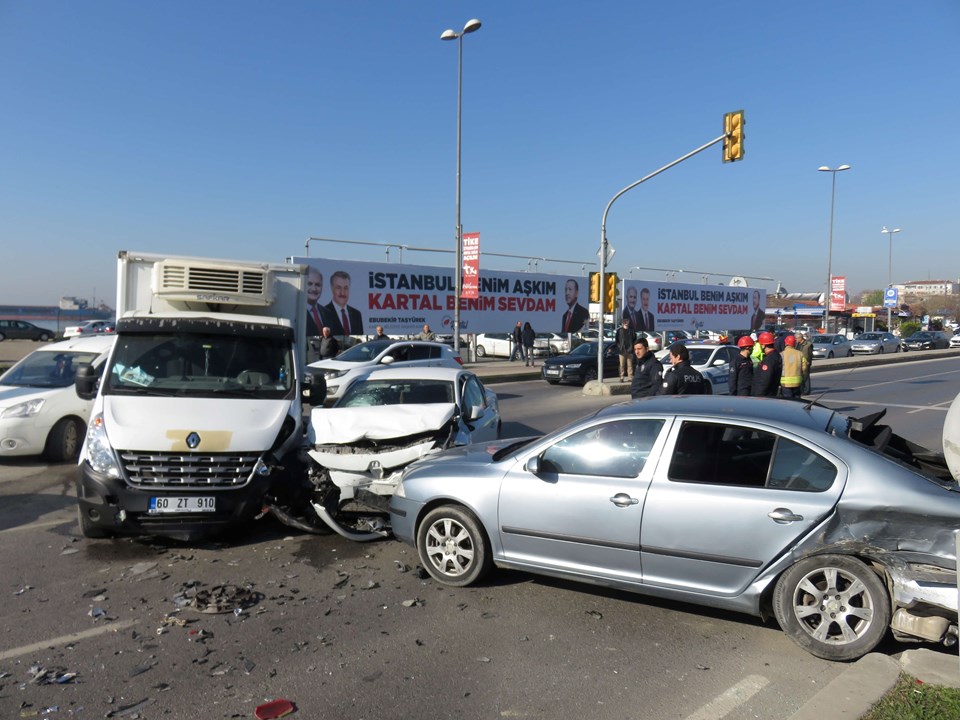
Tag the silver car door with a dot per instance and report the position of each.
(580, 512)
(484, 428)
(727, 499)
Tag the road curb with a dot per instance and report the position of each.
(854, 691)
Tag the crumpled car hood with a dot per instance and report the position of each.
(342, 426)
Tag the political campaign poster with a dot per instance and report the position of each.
(838, 293)
(654, 306)
(470, 285)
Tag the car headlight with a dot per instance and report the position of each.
(24, 409)
(99, 453)
(574, 366)
(331, 374)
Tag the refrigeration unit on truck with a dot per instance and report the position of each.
(199, 409)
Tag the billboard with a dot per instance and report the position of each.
(353, 297)
(653, 306)
(470, 285)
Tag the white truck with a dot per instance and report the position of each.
(199, 409)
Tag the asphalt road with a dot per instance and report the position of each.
(350, 630)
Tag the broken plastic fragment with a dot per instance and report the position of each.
(96, 613)
(273, 709)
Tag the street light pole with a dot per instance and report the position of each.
(833, 196)
(471, 26)
(890, 273)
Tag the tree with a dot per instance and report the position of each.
(872, 297)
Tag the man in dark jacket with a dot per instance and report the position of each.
(741, 373)
(329, 345)
(682, 378)
(625, 338)
(517, 350)
(646, 376)
(766, 375)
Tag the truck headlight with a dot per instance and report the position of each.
(24, 409)
(99, 453)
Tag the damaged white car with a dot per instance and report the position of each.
(384, 421)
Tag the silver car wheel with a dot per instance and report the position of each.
(833, 606)
(452, 546)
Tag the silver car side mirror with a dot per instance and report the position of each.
(533, 465)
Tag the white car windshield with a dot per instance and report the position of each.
(46, 369)
(397, 392)
(364, 352)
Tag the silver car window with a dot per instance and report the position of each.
(613, 449)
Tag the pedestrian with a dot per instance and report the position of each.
(682, 378)
(646, 375)
(427, 334)
(626, 338)
(517, 350)
(528, 336)
(766, 375)
(381, 335)
(806, 347)
(794, 368)
(741, 376)
(329, 345)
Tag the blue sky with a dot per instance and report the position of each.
(239, 129)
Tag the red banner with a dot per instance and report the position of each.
(838, 293)
(470, 287)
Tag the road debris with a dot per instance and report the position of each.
(274, 709)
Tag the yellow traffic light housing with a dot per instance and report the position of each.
(733, 136)
(610, 292)
(594, 287)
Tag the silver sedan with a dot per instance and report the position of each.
(757, 505)
(874, 343)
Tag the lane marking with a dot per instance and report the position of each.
(729, 700)
(66, 639)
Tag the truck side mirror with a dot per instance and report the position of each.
(314, 390)
(86, 381)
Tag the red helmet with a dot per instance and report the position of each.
(745, 342)
(790, 340)
(765, 338)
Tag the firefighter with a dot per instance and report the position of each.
(766, 375)
(741, 374)
(794, 370)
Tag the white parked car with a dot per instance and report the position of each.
(359, 359)
(713, 362)
(830, 346)
(494, 344)
(40, 413)
(88, 327)
(955, 341)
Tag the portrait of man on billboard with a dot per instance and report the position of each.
(645, 319)
(314, 309)
(759, 315)
(576, 315)
(338, 315)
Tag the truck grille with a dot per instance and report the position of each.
(169, 470)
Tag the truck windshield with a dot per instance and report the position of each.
(200, 365)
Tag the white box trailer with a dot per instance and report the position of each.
(199, 410)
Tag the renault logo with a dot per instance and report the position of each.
(193, 439)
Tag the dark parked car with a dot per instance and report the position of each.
(22, 330)
(838, 527)
(927, 340)
(580, 365)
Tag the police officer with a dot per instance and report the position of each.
(741, 374)
(646, 374)
(766, 375)
(682, 378)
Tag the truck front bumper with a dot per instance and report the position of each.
(111, 505)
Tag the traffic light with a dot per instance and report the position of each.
(733, 131)
(610, 292)
(594, 287)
